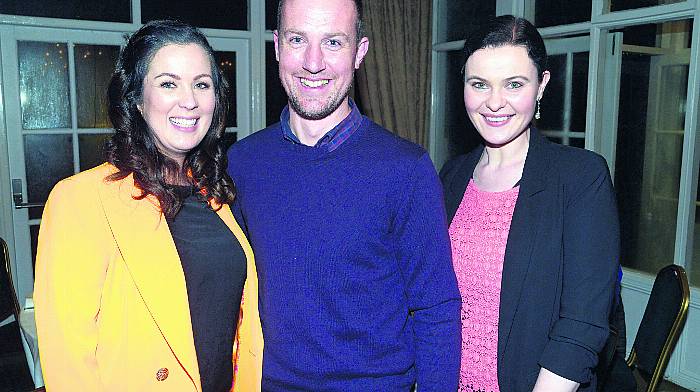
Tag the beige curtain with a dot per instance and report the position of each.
(394, 81)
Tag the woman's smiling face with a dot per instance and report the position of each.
(178, 99)
(501, 89)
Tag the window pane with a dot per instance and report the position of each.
(552, 103)
(577, 142)
(653, 89)
(91, 150)
(275, 96)
(619, 5)
(35, 212)
(214, 14)
(43, 85)
(557, 12)
(48, 159)
(563, 106)
(227, 62)
(93, 69)
(107, 11)
(34, 236)
(271, 14)
(461, 135)
(579, 92)
(229, 138)
(458, 18)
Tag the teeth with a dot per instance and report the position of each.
(183, 122)
(314, 83)
(497, 119)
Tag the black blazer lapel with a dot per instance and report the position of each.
(456, 178)
(524, 227)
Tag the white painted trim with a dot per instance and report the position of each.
(661, 13)
(257, 69)
(436, 137)
(691, 155)
(6, 227)
(570, 29)
(448, 46)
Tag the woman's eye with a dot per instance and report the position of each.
(167, 85)
(202, 85)
(479, 85)
(515, 85)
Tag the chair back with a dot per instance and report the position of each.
(8, 296)
(661, 324)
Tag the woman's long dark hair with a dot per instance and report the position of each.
(132, 148)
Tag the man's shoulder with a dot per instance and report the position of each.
(257, 139)
(377, 137)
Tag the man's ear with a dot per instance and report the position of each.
(362, 48)
(275, 39)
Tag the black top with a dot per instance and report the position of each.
(215, 271)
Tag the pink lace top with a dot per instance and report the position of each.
(478, 234)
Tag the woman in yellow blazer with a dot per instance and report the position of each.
(124, 302)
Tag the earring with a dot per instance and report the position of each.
(537, 113)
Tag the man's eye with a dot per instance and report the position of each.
(295, 40)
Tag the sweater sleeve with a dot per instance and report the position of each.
(591, 252)
(424, 255)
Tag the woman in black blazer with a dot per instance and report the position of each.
(534, 229)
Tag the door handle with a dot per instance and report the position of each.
(19, 198)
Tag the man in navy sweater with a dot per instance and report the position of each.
(357, 291)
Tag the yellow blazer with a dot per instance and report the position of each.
(111, 303)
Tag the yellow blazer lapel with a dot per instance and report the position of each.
(146, 245)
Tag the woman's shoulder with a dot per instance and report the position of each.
(577, 160)
(459, 164)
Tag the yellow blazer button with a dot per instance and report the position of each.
(162, 374)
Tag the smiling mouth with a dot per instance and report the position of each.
(497, 119)
(183, 122)
(314, 83)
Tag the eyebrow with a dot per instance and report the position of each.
(474, 77)
(177, 77)
(329, 35)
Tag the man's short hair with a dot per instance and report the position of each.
(359, 26)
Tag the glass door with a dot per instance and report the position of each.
(55, 82)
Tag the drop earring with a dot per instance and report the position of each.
(537, 113)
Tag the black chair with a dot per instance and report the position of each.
(14, 371)
(613, 373)
(661, 325)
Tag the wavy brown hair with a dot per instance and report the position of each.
(132, 148)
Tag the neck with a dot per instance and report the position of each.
(310, 132)
(501, 167)
(507, 154)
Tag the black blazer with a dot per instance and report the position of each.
(561, 263)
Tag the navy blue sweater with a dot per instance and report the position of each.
(357, 290)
